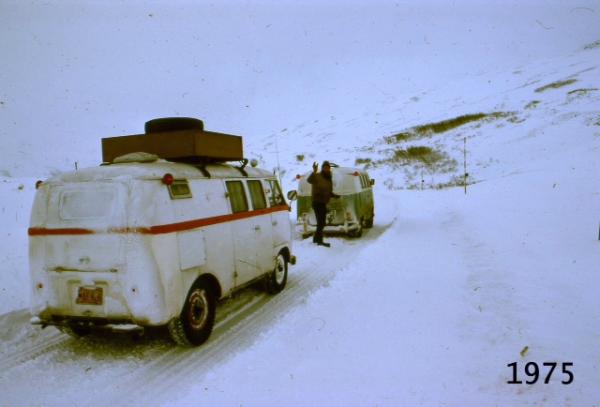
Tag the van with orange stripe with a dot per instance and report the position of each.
(146, 242)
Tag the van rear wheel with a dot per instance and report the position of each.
(356, 232)
(277, 278)
(195, 323)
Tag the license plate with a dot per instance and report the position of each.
(89, 296)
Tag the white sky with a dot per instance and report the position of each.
(79, 71)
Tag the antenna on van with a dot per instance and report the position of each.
(277, 156)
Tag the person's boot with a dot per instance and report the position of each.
(320, 241)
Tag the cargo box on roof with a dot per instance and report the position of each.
(193, 145)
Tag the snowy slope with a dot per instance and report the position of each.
(430, 306)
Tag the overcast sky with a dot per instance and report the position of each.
(75, 71)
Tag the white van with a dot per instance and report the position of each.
(349, 214)
(140, 244)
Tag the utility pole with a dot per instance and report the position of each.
(465, 163)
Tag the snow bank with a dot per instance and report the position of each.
(16, 198)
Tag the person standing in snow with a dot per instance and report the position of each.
(322, 192)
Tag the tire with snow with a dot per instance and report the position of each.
(356, 232)
(277, 278)
(195, 323)
(166, 124)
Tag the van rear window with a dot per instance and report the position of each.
(237, 196)
(86, 204)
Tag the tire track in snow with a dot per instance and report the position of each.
(241, 332)
(229, 337)
(180, 366)
(32, 351)
(148, 371)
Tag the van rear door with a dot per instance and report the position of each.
(280, 220)
(81, 219)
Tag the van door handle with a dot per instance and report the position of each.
(257, 228)
(274, 223)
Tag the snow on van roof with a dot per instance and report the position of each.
(156, 170)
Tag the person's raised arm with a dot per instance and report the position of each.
(315, 168)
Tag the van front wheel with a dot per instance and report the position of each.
(195, 323)
(277, 278)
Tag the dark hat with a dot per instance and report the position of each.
(325, 164)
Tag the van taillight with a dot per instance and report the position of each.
(167, 179)
(356, 173)
(298, 176)
(38, 184)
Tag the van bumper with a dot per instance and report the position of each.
(308, 229)
(93, 323)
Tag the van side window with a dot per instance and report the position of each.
(367, 180)
(257, 195)
(275, 196)
(237, 197)
(364, 181)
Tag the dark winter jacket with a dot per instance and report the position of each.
(322, 187)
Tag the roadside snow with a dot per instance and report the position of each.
(435, 310)
(16, 198)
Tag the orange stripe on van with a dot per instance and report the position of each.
(62, 231)
(161, 229)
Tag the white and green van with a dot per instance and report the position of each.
(350, 213)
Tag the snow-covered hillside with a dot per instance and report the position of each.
(431, 305)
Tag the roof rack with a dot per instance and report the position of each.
(244, 162)
(176, 139)
(202, 168)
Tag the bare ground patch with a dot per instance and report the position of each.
(582, 92)
(593, 45)
(443, 126)
(556, 85)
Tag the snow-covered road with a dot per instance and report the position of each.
(118, 369)
(442, 294)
